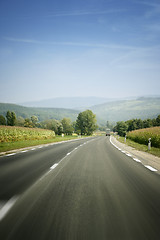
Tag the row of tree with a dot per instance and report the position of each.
(123, 127)
(84, 125)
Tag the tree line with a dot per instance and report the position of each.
(84, 125)
(123, 127)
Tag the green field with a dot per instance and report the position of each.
(19, 137)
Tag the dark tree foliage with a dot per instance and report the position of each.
(2, 120)
(134, 124)
(11, 118)
(121, 128)
(86, 123)
(67, 126)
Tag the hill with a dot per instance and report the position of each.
(127, 109)
(41, 113)
(110, 111)
(68, 102)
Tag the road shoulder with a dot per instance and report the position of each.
(146, 159)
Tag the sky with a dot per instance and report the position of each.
(67, 48)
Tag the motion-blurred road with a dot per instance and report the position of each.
(80, 190)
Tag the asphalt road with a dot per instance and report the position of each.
(82, 190)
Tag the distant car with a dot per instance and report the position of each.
(107, 134)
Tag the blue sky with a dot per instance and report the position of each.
(64, 48)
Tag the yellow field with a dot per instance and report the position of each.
(13, 134)
(141, 136)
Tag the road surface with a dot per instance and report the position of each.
(78, 190)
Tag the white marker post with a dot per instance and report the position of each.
(125, 138)
(149, 144)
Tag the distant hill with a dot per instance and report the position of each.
(127, 109)
(41, 113)
(110, 111)
(67, 102)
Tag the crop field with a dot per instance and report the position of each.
(14, 134)
(141, 136)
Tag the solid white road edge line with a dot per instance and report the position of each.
(135, 159)
(5, 209)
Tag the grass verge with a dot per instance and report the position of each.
(8, 146)
(140, 147)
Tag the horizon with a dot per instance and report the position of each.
(84, 97)
(67, 49)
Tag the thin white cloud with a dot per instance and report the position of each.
(153, 11)
(144, 58)
(151, 4)
(21, 40)
(81, 13)
(73, 44)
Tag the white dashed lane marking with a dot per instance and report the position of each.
(128, 154)
(54, 166)
(151, 168)
(11, 154)
(7, 206)
(136, 159)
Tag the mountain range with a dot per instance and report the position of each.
(68, 102)
(112, 110)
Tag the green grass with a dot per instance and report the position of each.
(8, 146)
(140, 147)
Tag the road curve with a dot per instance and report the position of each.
(93, 192)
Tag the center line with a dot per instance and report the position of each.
(54, 166)
(4, 210)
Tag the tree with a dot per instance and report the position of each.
(2, 120)
(134, 124)
(121, 128)
(53, 125)
(139, 124)
(147, 123)
(86, 123)
(59, 128)
(34, 120)
(158, 120)
(20, 121)
(67, 126)
(11, 118)
(28, 123)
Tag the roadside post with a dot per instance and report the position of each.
(125, 138)
(149, 144)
